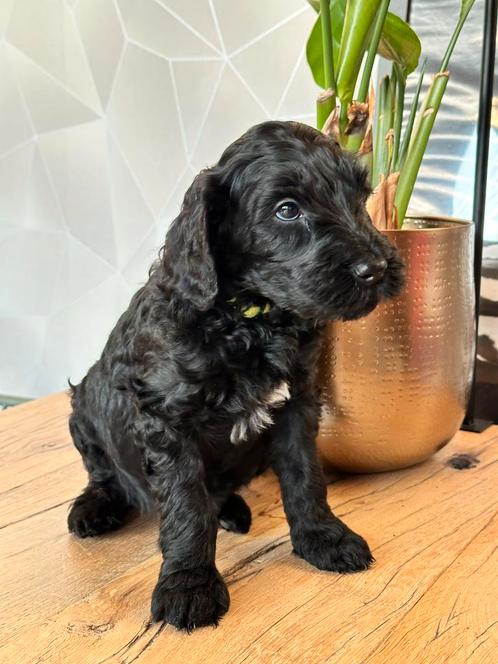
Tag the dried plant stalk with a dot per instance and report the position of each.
(380, 205)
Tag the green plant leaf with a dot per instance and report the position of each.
(314, 52)
(399, 43)
(315, 4)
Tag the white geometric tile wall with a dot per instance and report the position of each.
(107, 110)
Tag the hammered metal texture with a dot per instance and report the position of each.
(396, 383)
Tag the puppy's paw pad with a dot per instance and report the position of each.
(94, 513)
(235, 515)
(324, 549)
(190, 598)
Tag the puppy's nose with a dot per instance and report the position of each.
(369, 271)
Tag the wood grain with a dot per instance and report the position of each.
(431, 597)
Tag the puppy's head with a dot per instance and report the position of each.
(283, 215)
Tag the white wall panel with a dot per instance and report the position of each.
(108, 108)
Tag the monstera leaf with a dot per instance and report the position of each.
(399, 43)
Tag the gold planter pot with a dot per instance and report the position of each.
(396, 383)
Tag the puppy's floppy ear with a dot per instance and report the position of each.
(187, 252)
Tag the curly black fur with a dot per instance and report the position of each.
(154, 418)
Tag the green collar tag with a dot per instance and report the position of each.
(252, 310)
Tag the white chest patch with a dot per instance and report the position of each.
(260, 418)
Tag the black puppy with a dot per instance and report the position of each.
(209, 376)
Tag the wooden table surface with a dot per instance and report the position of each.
(431, 597)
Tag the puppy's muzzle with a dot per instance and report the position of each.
(369, 272)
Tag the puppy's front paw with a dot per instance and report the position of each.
(333, 547)
(190, 598)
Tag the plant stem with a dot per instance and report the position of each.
(409, 172)
(352, 143)
(464, 11)
(343, 117)
(358, 20)
(325, 104)
(398, 115)
(358, 123)
(328, 53)
(382, 126)
(387, 127)
(372, 50)
(377, 141)
(411, 119)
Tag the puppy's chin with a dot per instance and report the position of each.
(369, 299)
(355, 314)
(381, 294)
(324, 314)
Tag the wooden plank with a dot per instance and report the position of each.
(430, 597)
(34, 440)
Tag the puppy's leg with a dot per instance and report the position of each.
(317, 535)
(190, 591)
(103, 505)
(235, 515)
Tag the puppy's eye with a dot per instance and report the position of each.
(288, 211)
